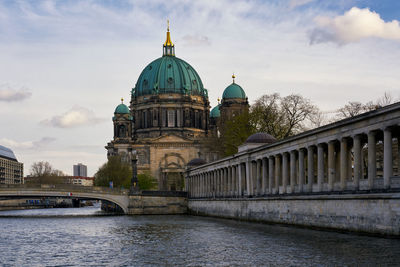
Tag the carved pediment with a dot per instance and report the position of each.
(171, 139)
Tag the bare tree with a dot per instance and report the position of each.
(43, 173)
(281, 117)
(385, 100)
(41, 168)
(352, 109)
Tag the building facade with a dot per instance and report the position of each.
(11, 171)
(167, 122)
(81, 180)
(80, 170)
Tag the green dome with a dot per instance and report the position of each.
(215, 112)
(121, 109)
(234, 91)
(169, 74)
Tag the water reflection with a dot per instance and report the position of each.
(177, 241)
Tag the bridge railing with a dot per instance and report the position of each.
(65, 188)
(164, 193)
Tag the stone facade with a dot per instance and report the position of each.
(373, 214)
(167, 122)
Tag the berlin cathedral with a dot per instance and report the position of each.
(168, 121)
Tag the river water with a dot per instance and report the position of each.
(83, 237)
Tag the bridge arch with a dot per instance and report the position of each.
(122, 200)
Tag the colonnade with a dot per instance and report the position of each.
(365, 159)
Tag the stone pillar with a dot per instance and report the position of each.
(331, 165)
(229, 181)
(201, 184)
(292, 171)
(270, 174)
(264, 176)
(310, 167)
(234, 181)
(210, 180)
(387, 157)
(189, 187)
(217, 183)
(214, 183)
(398, 155)
(193, 186)
(223, 182)
(301, 170)
(258, 178)
(343, 163)
(285, 172)
(357, 161)
(321, 167)
(208, 187)
(248, 178)
(371, 159)
(240, 189)
(196, 190)
(277, 172)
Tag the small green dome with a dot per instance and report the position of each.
(215, 112)
(234, 91)
(169, 74)
(121, 109)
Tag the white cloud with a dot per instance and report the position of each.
(75, 117)
(297, 3)
(9, 94)
(27, 144)
(196, 40)
(354, 25)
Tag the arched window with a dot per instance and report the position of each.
(122, 131)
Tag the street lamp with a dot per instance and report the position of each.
(134, 181)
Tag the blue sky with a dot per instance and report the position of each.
(65, 64)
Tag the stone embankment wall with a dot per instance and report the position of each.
(152, 205)
(368, 213)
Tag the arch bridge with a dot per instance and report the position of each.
(116, 196)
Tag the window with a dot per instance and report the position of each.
(171, 118)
